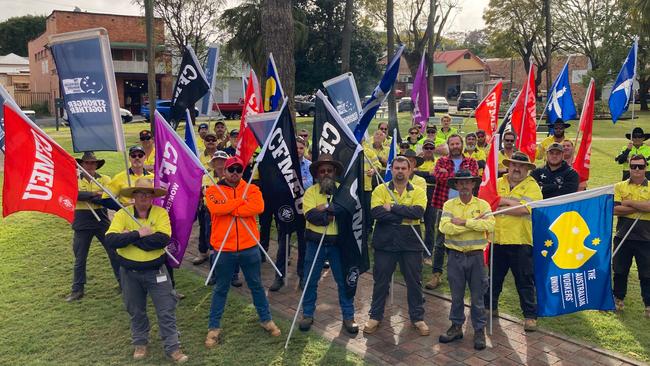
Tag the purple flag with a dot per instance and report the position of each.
(420, 97)
(180, 172)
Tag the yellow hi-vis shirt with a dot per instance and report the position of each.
(412, 196)
(477, 155)
(158, 221)
(636, 192)
(541, 148)
(151, 159)
(420, 182)
(472, 236)
(516, 229)
(86, 185)
(311, 200)
(372, 157)
(120, 181)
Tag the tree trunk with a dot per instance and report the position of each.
(430, 55)
(643, 93)
(346, 42)
(390, 50)
(547, 30)
(277, 26)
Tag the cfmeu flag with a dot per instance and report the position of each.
(523, 117)
(180, 172)
(246, 143)
(273, 93)
(39, 174)
(572, 252)
(333, 136)
(560, 101)
(191, 84)
(582, 162)
(487, 112)
(378, 95)
(623, 88)
(87, 82)
(488, 188)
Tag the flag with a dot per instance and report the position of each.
(378, 95)
(335, 138)
(488, 188)
(343, 94)
(87, 82)
(246, 143)
(280, 167)
(420, 96)
(506, 122)
(582, 161)
(39, 175)
(559, 103)
(273, 93)
(190, 139)
(211, 65)
(572, 252)
(487, 112)
(180, 172)
(523, 117)
(623, 88)
(191, 84)
(388, 176)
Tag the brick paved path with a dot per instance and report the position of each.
(397, 343)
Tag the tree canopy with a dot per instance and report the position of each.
(17, 31)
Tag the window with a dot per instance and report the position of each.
(139, 55)
(467, 56)
(44, 67)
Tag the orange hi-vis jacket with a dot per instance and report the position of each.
(223, 209)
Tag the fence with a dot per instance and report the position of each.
(28, 99)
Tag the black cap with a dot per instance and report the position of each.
(135, 148)
(234, 132)
(203, 125)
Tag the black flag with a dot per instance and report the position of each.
(333, 136)
(281, 182)
(191, 84)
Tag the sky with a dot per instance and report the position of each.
(469, 16)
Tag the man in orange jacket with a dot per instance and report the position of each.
(230, 208)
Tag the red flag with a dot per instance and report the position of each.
(488, 189)
(246, 143)
(487, 112)
(39, 175)
(523, 117)
(583, 158)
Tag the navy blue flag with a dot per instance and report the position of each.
(191, 84)
(190, 139)
(87, 81)
(342, 91)
(572, 252)
(559, 103)
(623, 89)
(211, 65)
(388, 176)
(273, 93)
(378, 95)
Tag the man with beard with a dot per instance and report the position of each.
(204, 128)
(398, 207)
(556, 177)
(513, 237)
(211, 142)
(220, 131)
(321, 225)
(472, 151)
(445, 168)
(466, 228)
(558, 136)
(509, 139)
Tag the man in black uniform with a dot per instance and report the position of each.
(556, 177)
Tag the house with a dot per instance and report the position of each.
(14, 73)
(128, 47)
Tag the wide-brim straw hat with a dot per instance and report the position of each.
(325, 159)
(521, 158)
(143, 185)
(89, 157)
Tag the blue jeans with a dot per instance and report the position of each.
(333, 254)
(249, 261)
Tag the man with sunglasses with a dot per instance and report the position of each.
(509, 139)
(636, 146)
(383, 127)
(136, 171)
(427, 170)
(558, 127)
(632, 202)
(414, 138)
(147, 143)
(481, 141)
(211, 141)
(226, 202)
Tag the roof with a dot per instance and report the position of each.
(449, 57)
(13, 59)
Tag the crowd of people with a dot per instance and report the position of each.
(429, 206)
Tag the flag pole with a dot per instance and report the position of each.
(626, 235)
(216, 259)
(286, 260)
(636, 52)
(491, 282)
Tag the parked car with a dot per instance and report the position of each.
(305, 107)
(229, 110)
(467, 99)
(440, 104)
(164, 107)
(405, 105)
(126, 115)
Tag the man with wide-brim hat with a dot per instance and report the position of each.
(636, 146)
(140, 250)
(513, 236)
(466, 229)
(86, 225)
(322, 227)
(558, 126)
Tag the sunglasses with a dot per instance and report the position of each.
(137, 156)
(637, 136)
(637, 166)
(145, 138)
(210, 140)
(508, 140)
(304, 136)
(325, 170)
(235, 169)
(480, 136)
(413, 133)
(428, 148)
(384, 129)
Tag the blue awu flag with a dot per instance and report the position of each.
(560, 101)
(622, 90)
(572, 252)
(388, 176)
(378, 95)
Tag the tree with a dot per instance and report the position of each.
(474, 40)
(244, 23)
(347, 36)
(17, 31)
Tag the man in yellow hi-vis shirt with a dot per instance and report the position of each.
(465, 227)
(136, 171)
(140, 252)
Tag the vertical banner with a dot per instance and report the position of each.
(87, 81)
(191, 84)
(211, 65)
(420, 97)
(342, 91)
(273, 93)
(582, 161)
(623, 88)
(487, 112)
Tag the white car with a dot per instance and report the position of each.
(440, 104)
(126, 115)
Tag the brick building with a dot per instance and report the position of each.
(128, 47)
